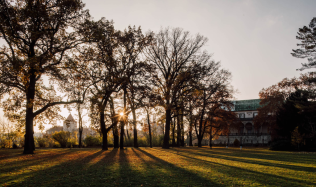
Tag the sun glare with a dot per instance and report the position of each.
(122, 114)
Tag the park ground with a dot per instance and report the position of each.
(157, 167)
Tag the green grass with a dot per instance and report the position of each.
(157, 167)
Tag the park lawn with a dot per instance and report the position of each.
(157, 167)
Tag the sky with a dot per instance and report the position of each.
(252, 39)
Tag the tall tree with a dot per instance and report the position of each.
(307, 36)
(37, 44)
(133, 43)
(174, 54)
(106, 69)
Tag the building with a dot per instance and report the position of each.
(70, 125)
(244, 129)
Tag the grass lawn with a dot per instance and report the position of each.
(157, 167)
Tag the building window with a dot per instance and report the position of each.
(241, 115)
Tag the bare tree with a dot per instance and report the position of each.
(174, 53)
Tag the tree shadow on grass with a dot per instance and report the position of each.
(180, 176)
(245, 174)
(26, 161)
(57, 175)
(266, 154)
(244, 158)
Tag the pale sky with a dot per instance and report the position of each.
(252, 39)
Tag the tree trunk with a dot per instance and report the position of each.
(29, 139)
(211, 137)
(167, 130)
(80, 137)
(178, 130)
(104, 132)
(122, 135)
(135, 129)
(182, 129)
(149, 128)
(173, 134)
(190, 135)
(116, 137)
(123, 122)
(200, 141)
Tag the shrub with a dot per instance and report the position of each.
(21, 142)
(62, 138)
(42, 142)
(281, 145)
(92, 141)
(143, 142)
(236, 143)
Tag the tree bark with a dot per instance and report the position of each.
(116, 137)
(178, 130)
(80, 138)
(173, 128)
(122, 135)
(29, 139)
(135, 129)
(123, 122)
(167, 130)
(104, 131)
(211, 137)
(149, 128)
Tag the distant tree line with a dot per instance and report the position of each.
(91, 65)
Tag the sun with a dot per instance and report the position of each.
(122, 114)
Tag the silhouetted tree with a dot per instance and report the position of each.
(307, 36)
(174, 53)
(37, 45)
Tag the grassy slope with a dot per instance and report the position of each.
(157, 167)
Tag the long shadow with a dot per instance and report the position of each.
(179, 173)
(273, 155)
(246, 174)
(245, 160)
(151, 172)
(23, 162)
(51, 176)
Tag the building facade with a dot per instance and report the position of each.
(244, 129)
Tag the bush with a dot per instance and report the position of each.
(62, 138)
(21, 142)
(42, 142)
(92, 141)
(143, 142)
(236, 143)
(281, 145)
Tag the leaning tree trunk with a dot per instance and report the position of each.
(167, 130)
(149, 128)
(29, 139)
